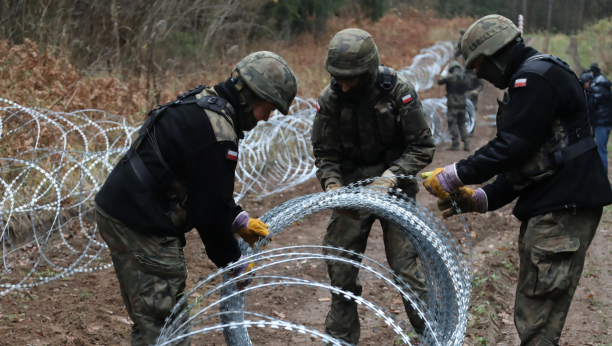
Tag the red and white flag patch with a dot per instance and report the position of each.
(407, 98)
(232, 155)
(318, 108)
(520, 82)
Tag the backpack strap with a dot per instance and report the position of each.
(385, 79)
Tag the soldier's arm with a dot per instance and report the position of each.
(415, 131)
(326, 147)
(527, 120)
(444, 79)
(499, 193)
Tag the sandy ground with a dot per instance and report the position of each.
(87, 309)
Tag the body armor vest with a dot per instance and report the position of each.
(177, 193)
(556, 150)
(369, 130)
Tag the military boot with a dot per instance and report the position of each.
(453, 147)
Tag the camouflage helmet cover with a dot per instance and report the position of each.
(270, 78)
(486, 36)
(351, 53)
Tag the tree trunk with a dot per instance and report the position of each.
(524, 14)
(115, 23)
(549, 16)
(580, 13)
(566, 17)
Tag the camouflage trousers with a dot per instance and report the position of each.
(474, 99)
(552, 249)
(457, 125)
(151, 272)
(342, 321)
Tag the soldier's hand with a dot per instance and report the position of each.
(255, 230)
(466, 199)
(240, 270)
(441, 181)
(332, 187)
(385, 182)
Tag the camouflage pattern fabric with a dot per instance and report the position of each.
(457, 126)
(222, 125)
(342, 321)
(552, 249)
(475, 86)
(270, 78)
(351, 53)
(456, 83)
(151, 272)
(355, 139)
(486, 36)
(358, 138)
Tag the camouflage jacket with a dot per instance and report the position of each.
(456, 87)
(355, 139)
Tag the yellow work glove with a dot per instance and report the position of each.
(432, 184)
(467, 200)
(242, 269)
(255, 231)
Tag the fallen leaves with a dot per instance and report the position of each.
(326, 299)
(278, 314)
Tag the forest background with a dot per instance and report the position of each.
(126, 56)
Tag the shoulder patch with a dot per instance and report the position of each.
(520, 82)
(407, 99)
(224, 130)
(232, 155)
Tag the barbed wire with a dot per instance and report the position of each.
(53, 163)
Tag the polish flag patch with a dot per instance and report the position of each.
(317, 105)
(520, 82)
(407, 98)
(232, 155)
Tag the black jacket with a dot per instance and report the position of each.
(600, 101)
(188, 144)
(582, 182)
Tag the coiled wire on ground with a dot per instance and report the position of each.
(446, 272)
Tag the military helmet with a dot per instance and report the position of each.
(453, 65)
(351, 53)
(270, 78)
(486, 37)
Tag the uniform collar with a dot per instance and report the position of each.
(520, 54)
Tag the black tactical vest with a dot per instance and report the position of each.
(556, 150)
(177, 193)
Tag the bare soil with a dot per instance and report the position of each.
(87, 309)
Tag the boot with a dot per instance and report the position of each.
(453, 147)
(466, 147)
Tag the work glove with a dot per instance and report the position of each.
(467, 200)
(242, 269)
(385, 182)
(442, 181)
(250, 230)
(350, 213)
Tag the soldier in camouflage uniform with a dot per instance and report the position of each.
(544, 155)
(475, 87)
(458, 47)
(179, 174)
(456, 82)
(369, 123)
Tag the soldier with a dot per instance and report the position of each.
(456, 87)
(601, 111)
(369, 123)
(544, 155)
(179, 174)
(458, 48)
(475, 87)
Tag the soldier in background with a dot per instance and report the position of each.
(475, 87)
(544, 155)
(369, 123)
(601, 111)
(458, 47)
(179, 174)
(456, 82)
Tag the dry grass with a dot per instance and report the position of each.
(48, 79)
